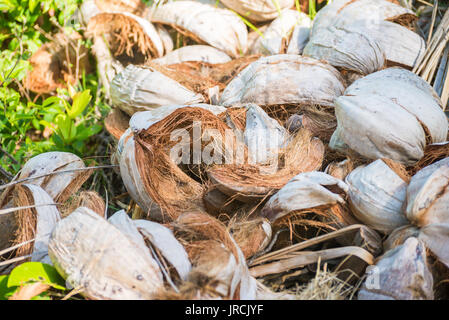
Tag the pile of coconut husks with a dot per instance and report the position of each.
(296, 159)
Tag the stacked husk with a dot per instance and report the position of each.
(360, 37)
(277, 177)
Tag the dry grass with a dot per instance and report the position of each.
(326, 286)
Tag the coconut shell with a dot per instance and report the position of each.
(401, 274)
(200, 53)
(258, 10)
(377, 196)
(116, 123)
(341, 13)
(276, 37)
(143, 88)
(92, 254)
(284, 79)
(368, 111)
(217, 27)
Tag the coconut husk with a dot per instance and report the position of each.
(340, 169)
(284, 80)
(214, 255)
(164, 181)
(258, 10)
(200, 53)
(400, 274)
(312, 199)
(218, 204)
(276, 38)
(377, 194)
(141, 88)
(131, 39)
(342, 13)
(249, 183)
(56, 64)
(432, 154)
(88, 199)
(252, 236)
(35, 222)
(86, 241)
(204, 23)
(133, 6)
(60, 186)
(366, 127)
(200, 76)
(116, 123)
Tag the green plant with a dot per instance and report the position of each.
(24, 116)
(28, 273)
(71, 129)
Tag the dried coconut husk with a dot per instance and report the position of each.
(56, 64)
(96, 257)
(340, 169)
(126, 154)
(311, 199)
(60, 186)
(284, 80)
(432, 154)
(276, 38)
(320, 121)
(116, 123)
(341, 13)
(258, 10)
(250, 183)
(206, 241)
(400, 274)
(377, 194)
(252, 236)
(89, 199)
(200, 76)
(198, 53)
(133, 6)
(204, 23)
(145, 88)
(34, 223)
(368, 112)
(349, 49)
(217, 204)
(131, 39)
(164, 181)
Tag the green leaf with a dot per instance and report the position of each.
(32, 4)
(5, 291)
(7, 5)
(36, 272)
(86, 132)
(80, 102)
(64, 124)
